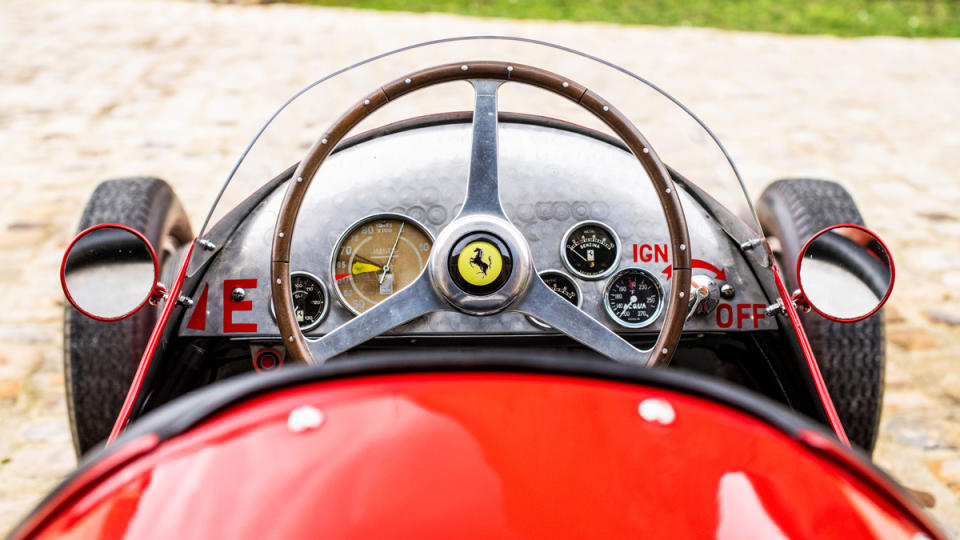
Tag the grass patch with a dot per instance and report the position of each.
(911, 18)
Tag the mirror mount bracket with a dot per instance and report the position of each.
(159, 293)
(800, 301)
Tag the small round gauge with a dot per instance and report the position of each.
(590, 250)
(563, 285)
(309, 300)
(376, 257)
(633, 298)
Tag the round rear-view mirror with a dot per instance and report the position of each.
(109, 272)
(845, 273)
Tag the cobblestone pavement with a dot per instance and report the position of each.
(95, 90)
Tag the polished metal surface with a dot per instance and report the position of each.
(548, 179)
(418, 298)
(238, 294)
(483, 193)
(542, 303)
(543, 275)
(515, 285)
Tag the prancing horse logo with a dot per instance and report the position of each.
(477, 260)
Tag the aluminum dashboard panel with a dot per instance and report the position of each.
(550, 179)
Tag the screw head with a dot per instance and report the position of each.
(727, 291)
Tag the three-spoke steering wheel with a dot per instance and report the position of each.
(482, 219)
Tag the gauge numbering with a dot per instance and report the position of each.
(563, 285)
(633, 298)
(590, 250)
(309, 300)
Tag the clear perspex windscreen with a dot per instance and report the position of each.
(680, 138)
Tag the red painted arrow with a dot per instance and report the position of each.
(697, 263)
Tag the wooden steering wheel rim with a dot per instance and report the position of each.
(293, 338)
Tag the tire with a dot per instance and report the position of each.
(851, 355)
(101, 358)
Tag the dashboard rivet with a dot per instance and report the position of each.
(681, 294)
(323, 140)
(669, 190)
(464, 68)
(683, 247)
(646, 150)
(509, 68)
(664, 350)
(278, 281)
(281, 234)
(657, 410)
(299, 179)
(238, 294)
(727, 291)
(406, 81)
(605, 108)
(366, 102)
(566, 84)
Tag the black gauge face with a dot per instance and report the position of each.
(309, 300)
(591, 250)
(633, 298)
(563, 285)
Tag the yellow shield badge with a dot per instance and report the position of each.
(480, 263)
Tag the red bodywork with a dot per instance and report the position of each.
(480, 455)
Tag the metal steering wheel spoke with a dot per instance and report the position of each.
(483, 191)
(549, 307)
(418, 298)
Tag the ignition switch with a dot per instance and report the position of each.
(704, 296)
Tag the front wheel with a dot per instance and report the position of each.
(851, 355)
(101, 358)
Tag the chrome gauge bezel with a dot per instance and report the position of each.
(606, 299)
(616, 257)
(326, 300)
(354, 225)
(579, 304)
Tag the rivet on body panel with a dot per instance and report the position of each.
(304, 418)
(657, 410)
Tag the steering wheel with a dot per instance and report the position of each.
(480, 223)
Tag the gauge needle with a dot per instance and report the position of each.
(360, 266)
(577, 253)
(386, 267)
(625, 308)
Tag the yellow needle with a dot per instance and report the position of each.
(364, 268)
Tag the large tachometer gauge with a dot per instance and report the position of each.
(633, 298)
(591, 250)
(376, 257)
